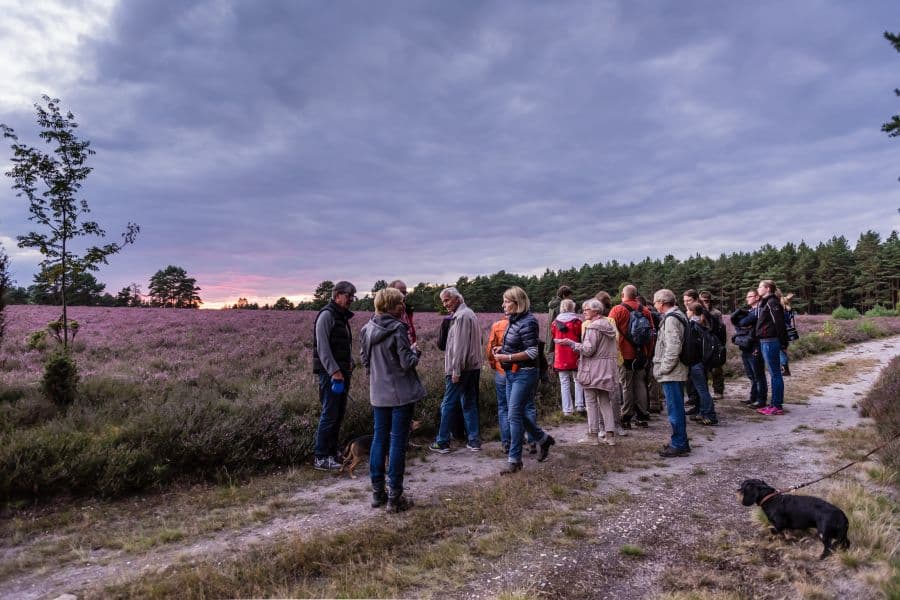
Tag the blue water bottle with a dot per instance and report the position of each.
(337, 386)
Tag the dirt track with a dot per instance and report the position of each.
(659, 517)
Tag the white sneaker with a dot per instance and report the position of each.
(590, 440)
(620, 431)
(601, 435)
(610, 440)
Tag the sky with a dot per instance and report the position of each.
(267, 146)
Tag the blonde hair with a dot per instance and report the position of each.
(519, 297)
(786, 301)
(387, 299)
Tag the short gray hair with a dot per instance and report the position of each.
(452, 291)
(665, 296)
(592, 304)
(567, 305)
(343, 287)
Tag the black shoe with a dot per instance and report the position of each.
(532, 448)
(670, 452)
(545, 447)
(511, 468)
(755, 405)
(747, 401)
(696, 417)
(379, 498)
(785, 370)
(643, 423)
(440, 448)
(397, 502)
(694, 410)
(626, 424)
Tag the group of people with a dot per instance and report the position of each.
(612, 362)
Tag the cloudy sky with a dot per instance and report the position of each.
(267, 145)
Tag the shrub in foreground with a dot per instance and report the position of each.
(60, 381)
(881, 405)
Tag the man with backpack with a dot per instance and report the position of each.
(670, 371)
(635, 340)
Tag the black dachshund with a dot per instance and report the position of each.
(798, 512)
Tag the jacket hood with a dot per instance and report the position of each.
(381, 327)
(567, 317)
(603, 326)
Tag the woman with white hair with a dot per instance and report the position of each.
(567, 325)
(518, 356)
(597, 370)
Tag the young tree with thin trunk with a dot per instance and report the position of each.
(51, 181)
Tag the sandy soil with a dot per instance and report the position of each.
(664, 517)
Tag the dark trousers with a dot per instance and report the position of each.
(333, 408)
(755, 370)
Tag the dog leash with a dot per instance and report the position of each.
(832, 474)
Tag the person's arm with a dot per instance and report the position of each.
(324, 325)
(674, 336)
(409, 358)
(780, 327)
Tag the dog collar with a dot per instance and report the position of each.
(769, 497)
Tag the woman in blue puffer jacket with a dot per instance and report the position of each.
(518, 356)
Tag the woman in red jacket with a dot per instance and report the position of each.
(567, 326)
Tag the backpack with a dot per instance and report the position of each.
(444, 333)
(639, 333)
(700, 345)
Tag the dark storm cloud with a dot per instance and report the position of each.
(289, 142)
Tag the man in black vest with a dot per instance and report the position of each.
(333, 363)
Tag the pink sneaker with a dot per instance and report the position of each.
(764, 410)
(776, 411)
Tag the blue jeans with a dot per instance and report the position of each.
(783, 358)
(675, 410)
(333, 408)
(503, 410)
(460, 395)
(755, 369)
(698, 378)
(770, 350)
(391, 426)
(520, 390)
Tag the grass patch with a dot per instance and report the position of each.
(801, 388)
(632, 551)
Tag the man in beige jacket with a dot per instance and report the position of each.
(670, 372)
(462, 370)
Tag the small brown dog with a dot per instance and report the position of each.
(358, 449)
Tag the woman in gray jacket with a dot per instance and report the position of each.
(394, 388)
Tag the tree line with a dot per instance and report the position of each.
(831, 274)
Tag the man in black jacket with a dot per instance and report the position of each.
(333, 363)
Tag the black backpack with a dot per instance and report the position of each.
(696, 344)
(713, 348)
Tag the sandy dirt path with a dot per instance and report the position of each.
(743, 446)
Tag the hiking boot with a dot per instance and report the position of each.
(707, 421)
(326, 463)
(379, 497)
(474, 445)
(641, 423)
(545, 447)
(440, 447)
(786, 370)
(626, 424)
(532, 448)
(671, 452)
(510, 468)
(696, 417)
(397, 502)
(694, 410)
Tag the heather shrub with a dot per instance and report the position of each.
(813, 343)
(60, 381)
(844, 313)
(881, 311)
(881, 405)
(869, 329)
